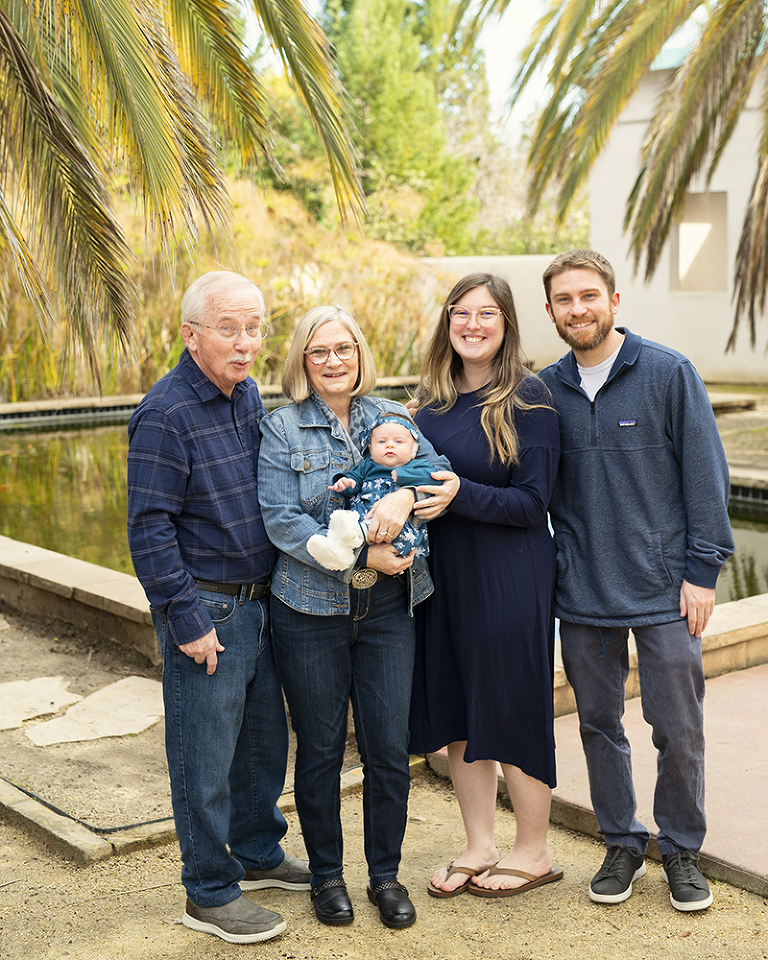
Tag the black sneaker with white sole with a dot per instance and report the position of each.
(688, 890)
(613, 881)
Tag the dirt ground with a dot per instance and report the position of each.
(110, 782)
(130, 905)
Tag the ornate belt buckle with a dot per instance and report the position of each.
(364, 578)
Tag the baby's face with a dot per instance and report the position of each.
(392, 445)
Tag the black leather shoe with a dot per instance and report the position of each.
(395, 908)
(331, 902)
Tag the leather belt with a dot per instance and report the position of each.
(253, 591)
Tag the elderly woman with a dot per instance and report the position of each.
(483, 676)
(347, 633)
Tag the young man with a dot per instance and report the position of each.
(641, 526)
(201, 553)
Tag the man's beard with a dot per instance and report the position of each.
(577, 342)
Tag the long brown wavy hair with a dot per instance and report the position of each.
(501, 397)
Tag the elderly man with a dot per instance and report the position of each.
(200, 551)
(640, 513)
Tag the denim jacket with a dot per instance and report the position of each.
(299, 455)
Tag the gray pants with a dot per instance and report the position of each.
(596, 663)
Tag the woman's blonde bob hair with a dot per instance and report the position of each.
(295, 382)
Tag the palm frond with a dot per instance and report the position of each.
(306, 54)
(693, 122)
(81, 243)
(751, 279)
(617, 69)
(482, 11)
(14, 246)
(210, 48)
(751, 285)
(201, 173)
(130, 51)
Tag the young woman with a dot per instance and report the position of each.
(484, 660)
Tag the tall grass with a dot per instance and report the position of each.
(297, 263)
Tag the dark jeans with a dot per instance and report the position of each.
(672, 691)
(226, 738)
(366, 655)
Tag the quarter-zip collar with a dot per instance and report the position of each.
(567, 369)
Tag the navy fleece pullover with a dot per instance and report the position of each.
(641, 497)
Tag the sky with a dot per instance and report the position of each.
(502, 41)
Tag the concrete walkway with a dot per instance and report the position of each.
(735, 718)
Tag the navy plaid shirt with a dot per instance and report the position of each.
(193, 508)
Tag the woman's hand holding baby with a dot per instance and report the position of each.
(441, 495)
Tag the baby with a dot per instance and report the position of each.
(391, 462)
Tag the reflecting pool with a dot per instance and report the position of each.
(66, 491)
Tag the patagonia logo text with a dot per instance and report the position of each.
(627, 423)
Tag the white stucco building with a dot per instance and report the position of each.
(689, 303)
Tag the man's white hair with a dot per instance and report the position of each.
(195, 302)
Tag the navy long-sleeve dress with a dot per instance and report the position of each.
(485, 639)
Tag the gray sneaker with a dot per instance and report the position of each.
(688, 890)
(239, 921)
(613, 881)
(291, 874)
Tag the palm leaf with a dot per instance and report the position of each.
(751, 281)
(13, 245)
(607, 89)
(149, 108)
(81, 244)
(210, 46)
(305, 52)
(692, 125)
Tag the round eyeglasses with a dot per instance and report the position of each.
(343, 351)
(231, 331)
(462, 314)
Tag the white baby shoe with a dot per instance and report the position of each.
(336, 550)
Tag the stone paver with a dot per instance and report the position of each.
(126, 707)
(22, 700)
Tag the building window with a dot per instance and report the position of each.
(699, 245)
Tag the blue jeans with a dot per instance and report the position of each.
(366, 655)
(672, 692)
(226, 737)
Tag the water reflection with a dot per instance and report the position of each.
(745, 574)
(66, 491)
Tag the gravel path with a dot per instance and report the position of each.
(129, 906)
